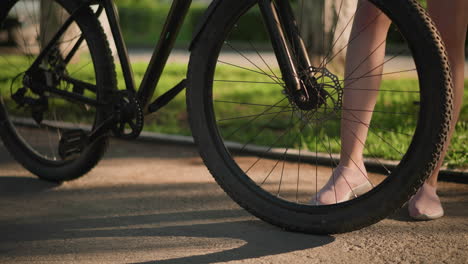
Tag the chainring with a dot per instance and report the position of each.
(129, 115)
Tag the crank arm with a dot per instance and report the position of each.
(102, 129)
(74, 141)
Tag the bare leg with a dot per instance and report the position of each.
(452, 21)
(368, 46)
(364, 55)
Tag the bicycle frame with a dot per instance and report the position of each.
(279, 19)
(275, 17)
(160, 54)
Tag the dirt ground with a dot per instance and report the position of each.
(157, 203)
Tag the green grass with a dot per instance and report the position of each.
(388, 139)
(173, 119)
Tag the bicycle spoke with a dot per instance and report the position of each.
(247, 69)
(28, 54)
(255, 118)
(229, 81)
(279, 147)
(252, 104)
(379, 136)
(37, 103)
(347, 183)
(298, 170)
(251, 62)
(378, 66)
(35, 18)
(282, 173)
(263, 114)
(44, 31)
(271, 147)
(364, 145)
(365, 59)
(356, 164)
(316, 168)
(352, 39)
(257, 134)
(266, 64)
(284, 160)
(374, 111)
(351, 19)
(81, 68)
(375, 126)
(341, 81)
(270, 172)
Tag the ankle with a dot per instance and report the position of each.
(432, 182)
(353, 175)
(428, 188)
(355, 166)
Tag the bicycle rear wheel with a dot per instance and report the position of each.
(265, 149)
(36, 93)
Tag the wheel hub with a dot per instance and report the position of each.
(312, 96)
(321, 96)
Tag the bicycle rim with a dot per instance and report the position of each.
(273, 150)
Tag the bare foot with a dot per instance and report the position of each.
(344, 184)
(425, 204)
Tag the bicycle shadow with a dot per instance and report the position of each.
(250, 239)
(11, 185)
(260, 240)
(199, 235)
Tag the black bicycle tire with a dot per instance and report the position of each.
(425, 149)
(106, 77)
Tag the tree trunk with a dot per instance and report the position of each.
(325, 28)
(52, 18)
(53, 15)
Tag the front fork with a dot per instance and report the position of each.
(287, 43)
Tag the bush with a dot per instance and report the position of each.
(142, 23)
(143, 20)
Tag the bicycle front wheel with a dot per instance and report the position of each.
(49, 85)
(265, 147)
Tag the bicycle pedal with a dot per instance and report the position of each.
(72, 143)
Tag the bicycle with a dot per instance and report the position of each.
(282, 107)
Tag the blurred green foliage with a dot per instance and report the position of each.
(143, 20)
